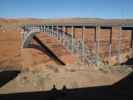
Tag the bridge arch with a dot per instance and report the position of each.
(27, 38)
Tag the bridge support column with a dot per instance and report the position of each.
(48, 30)
(64, 37)
(97, 45)
(131, 45)
(110, 46)
(72, 43)
(83, 45)
(119, 45)
(40, 27)
(44, 28)
(52, 31)
(22, 38)
(61, 34)
(57, 35)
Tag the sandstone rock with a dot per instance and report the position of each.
(114, 60)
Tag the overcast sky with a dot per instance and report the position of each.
(66, 8)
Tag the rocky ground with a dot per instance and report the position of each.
(71, 76)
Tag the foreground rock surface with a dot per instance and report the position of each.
(44, 78)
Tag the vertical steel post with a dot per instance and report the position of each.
(60, 31)
(72, 34)
(54, 34)
(44, 28)
(52, 31)
(40, 27)
(22, 38)
(47, 30)
(83, 45)
(119, 45)
(57, 33)
(110, 46)
(97, 44)
(63, 34)
(131, 45)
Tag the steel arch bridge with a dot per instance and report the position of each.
(71, 44)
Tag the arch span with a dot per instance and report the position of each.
(27, 38)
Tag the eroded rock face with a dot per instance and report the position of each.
(114, 60)
(10, 45)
